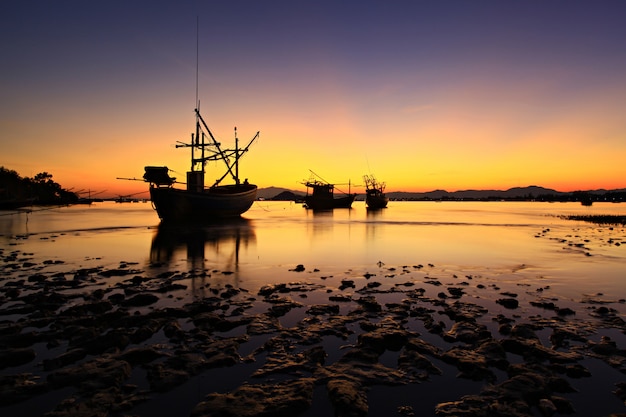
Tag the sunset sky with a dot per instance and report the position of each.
(423, 94)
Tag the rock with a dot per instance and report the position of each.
(287, 398)
(606, 347)
(65, 359)
(369, 304)
(321, 309)
(423, 347)
(20, 387)
(119, 272)
(577, 371)
(346, 283)
(172, 330)
(534, 351)
(116, 339)
(224, 352)
(163, 378)
(406, 410)
(460, 311)
(510, 303)
(348, 397)
(456, 292)
(340, 298)
(145, 331)
(471, 365)
(414, 363)
(140, 300)
(383, 339)
(270, 289)
(493, 353)
(285, 362)
(524, 331)
(363, 366)
(99, 307)
(140, 355)
(263, 324)
(548, 305)
(175, 370)
(566, 311)
(560, 337)
(467, 332)
(93, 375)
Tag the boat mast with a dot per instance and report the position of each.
(236, 157)
(198, 102)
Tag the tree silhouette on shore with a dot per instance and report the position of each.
(17, 191)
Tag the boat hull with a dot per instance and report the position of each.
(221, 202)
(318, 203)
(376, 202)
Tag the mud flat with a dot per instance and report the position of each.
(396, 340)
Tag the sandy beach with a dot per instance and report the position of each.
(418, 339)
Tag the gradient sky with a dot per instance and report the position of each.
(423, 94)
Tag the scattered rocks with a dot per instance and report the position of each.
(99, 336)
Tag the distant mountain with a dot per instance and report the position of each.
(271, 193)
(287, 196)
(603, 191)
(532, 192)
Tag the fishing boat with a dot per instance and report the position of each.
(322, 195)
(197, 202)
(374, 193)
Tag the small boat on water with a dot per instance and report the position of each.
(197, 202)
(322, 196)
(374, 193)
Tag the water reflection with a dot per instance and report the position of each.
(373, 213)
(372, 224)
(321, 221)
(217, 244)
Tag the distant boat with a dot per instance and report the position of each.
(374, 193)
(197, 202)
(322, 196)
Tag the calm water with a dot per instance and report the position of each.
(501, 240)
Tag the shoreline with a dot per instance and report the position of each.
(74, 342)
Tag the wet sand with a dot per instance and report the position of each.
(418, 339)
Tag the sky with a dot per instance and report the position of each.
(425, 95)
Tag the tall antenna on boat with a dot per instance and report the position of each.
(197, 56)
(198, 130)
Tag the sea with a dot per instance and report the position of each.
(520, 247)
(520, 241)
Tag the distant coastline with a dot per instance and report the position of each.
(530, 193)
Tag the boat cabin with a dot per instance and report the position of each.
(158, 176)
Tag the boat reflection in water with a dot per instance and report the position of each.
(208, 248)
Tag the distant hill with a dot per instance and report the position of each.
(532, 192)
(529, 193)
(270, 193)
(286, 196)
